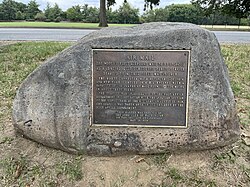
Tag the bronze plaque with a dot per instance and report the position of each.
(140, 88)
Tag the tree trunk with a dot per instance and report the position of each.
(213, 20)
(239, 23)
(102, 15)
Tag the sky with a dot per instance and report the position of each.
(65, 4)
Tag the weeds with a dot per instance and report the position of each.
(15, 170)
(176, 178)
(7, 140)
(160, 159)
(72, 169)
(229, 156)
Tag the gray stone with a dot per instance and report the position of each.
(53, 105)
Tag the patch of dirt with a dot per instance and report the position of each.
(9, 42)
(215, 166)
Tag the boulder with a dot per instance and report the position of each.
(53, 105)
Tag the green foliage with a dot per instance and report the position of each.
(190, 13)
(127, 14)
(199, 12)
(232, 8)
(53, 13)
(90, 14)
(74, 13)
(175, 13)
(32, 9)
(8, 10)
(12, 10)
(184, 13)
(19, 15)
(83, 13)
(40, 16)
(155, 15)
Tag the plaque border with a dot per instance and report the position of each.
(93, 125)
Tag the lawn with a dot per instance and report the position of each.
(25, 163)
(226, 27)
(25, 24)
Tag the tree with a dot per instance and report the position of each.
(20, 7)
(47, 12)
(19, 15)
(53, 13)
(8, 10)
(209, 7)
(32, 9)
(1, 12)
(154, 15)
(90, 14)
(103, 16)
(150, 3)
(184, 13)
(112, 16)
(56, 12)
(127, 14)
(74, 13)
(40, 16)
(238, 8)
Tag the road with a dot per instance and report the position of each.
(75, 34)
(43, 34)
(232, 36)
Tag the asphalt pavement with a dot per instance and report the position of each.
(39, 34)
(43, 34)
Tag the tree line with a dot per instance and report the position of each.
(199, 12)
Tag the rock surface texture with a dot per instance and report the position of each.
(53, 105)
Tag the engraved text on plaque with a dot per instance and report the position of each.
(146, 88)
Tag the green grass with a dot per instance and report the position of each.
(15, 170)
(16, 63)
(237, 59)
(57, 25)
(20, 171)
(26, 24)
(226, 27)
(160, 159)
(72, 169)
(176, 178)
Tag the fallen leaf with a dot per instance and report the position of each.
(140, 159)
(18, 171)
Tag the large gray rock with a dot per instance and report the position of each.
(53, 105)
